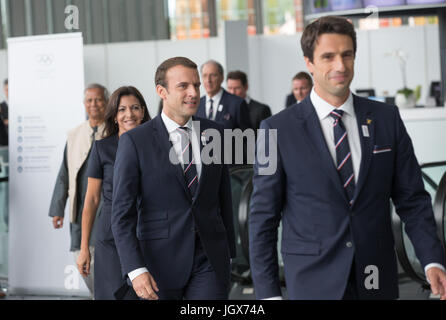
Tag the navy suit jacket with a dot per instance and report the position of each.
(258, 112)
(290, 100)
(234, 113)
(161, 235)
(321, 233)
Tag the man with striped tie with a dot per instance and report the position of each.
(178, 242)
(340, 160)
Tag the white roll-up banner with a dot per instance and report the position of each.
(46, 82)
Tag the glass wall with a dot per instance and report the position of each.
(397, 21)
(194, 18)
(237, 10)
(282, 16)
(188, 19)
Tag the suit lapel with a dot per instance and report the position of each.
(162, 138)
(221, 112)
(202, 108)
(313, 129)
(204, 167)
(364, 117)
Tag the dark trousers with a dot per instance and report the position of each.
(108, 281)
(351, 292)
(203, 283)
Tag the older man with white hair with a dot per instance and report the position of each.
(71, 181)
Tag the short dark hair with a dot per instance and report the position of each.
(238, 75)
(215, 63)
(304, 76)
(161, 71)
(328, 24)
(111, 127)
(5, 83)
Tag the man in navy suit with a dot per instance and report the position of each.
(301, 88)
(237, 84)
(340, 160)
(178, 242)
(219, 105)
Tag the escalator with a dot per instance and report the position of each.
(241, 184)
(434, 177)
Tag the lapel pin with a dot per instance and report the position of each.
(369, 121)
(365, 131)
(203, 138)
(220, 108)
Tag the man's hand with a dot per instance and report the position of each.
(145, 286)
(83, 262)
(57, 222)
(437, 279)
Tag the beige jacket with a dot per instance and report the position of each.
(79, 143)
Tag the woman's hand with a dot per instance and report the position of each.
(83, 262)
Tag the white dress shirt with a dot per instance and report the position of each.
(175, 138)
(216, 104)
(323, 109)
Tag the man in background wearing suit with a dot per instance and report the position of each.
(340, 160)
(4, 105)
(237, 84)
(301, 87)
(178, 242)
(219, 105)
(4, 116)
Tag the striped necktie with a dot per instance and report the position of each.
(189, 168)
(343, 155)
(211, 110)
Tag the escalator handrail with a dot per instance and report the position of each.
(439, 209)
(401, 252)
(243, 221)
(243, 218)
(432, 164)
(243, 215)
(428, 179)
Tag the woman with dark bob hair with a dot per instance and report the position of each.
(126, 110)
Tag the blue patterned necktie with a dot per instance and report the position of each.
(93, 135)
(343, 155)
(189, 168)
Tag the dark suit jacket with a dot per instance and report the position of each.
(234, 113)
(3, 134)
(306, 194)
(4, 110)
(161, 235)
(290, 100)
(258, 112)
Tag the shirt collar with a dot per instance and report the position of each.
(171, 125)
(323, 108)
(215, 98)
(248, 99)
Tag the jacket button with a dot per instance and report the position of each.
(349, 244)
